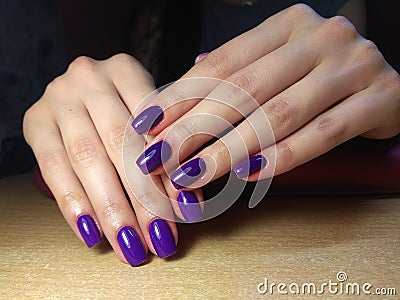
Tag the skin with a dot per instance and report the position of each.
(318, 81)
(82, 116)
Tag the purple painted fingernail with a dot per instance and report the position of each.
(250, 166)
(189, 206)
(89, 231)
(131, 246)
(153, 157)
(147, 119)
(200, 56)
(161, 237)
(188, 173)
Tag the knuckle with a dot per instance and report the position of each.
(287, 156)
(281, 112)
(389, 84)
(368, 51)
(185, 129)
(244, 80)
(127, 63)
(184, 135)
(116, 138)
(147, 199)
(301, 11)
(124, 59)
(55, 87)
(82, 64)
(51, 162)
(330, 130)
(70, 200)
(110, 212)
(30, 115)
(339, 29)
(217, 61)
(84, 151)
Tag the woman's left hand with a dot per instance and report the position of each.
(317, 81)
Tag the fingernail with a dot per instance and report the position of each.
(188, 173)
(200, 57)
(250, 166)
(131, 246)
(161, 237)
(189, 206)
(89, 231)
(147, 119)
(153, 157)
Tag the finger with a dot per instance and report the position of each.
(187, 205)
(151, 207)
(110, 119)
(282, 115)
(132, 81)
(230, 101)
(148, 197)
(96, 172)
(220, 64)
(337, 125)
(60, 177)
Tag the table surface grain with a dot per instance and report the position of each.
(291, 240)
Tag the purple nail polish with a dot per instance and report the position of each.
(200, 56)
(89, 231)
(250, 166)
(189, 206)
(153, 157)
(131, 246)
(161, 237)
(147, 119)
(188, 173)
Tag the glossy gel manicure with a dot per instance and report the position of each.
(131, 246)
(153, 157)
(147, 119)
(189, 206)
(88, 230)
(250, 166)
(162, 238)
(188, 173)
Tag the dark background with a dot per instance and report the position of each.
(38, 39)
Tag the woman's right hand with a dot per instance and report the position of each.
(76, 131)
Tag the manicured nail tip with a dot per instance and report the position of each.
(153, 157)
(88, 230)
(188, 173)
(162, 238)
(131, 246)
(250, 166)
(189, 206)
(147, 119)
(200, 56)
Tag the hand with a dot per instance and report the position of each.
(317, 81)
(77, 132)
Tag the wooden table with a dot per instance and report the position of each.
(285, 239)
